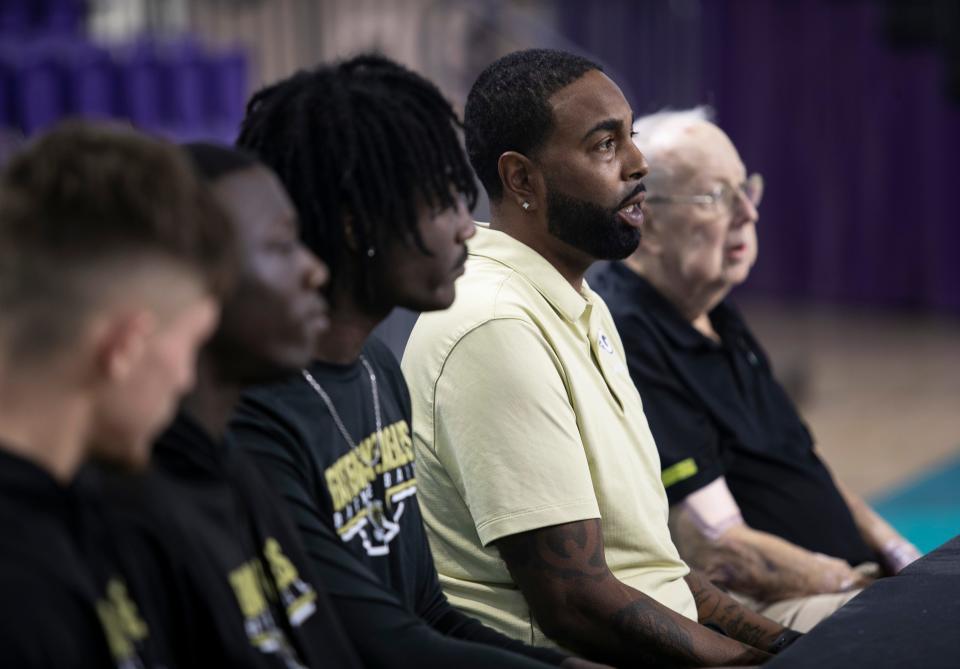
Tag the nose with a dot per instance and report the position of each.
(466, 228)
(744, 211)
(315, 272)
(635, 165)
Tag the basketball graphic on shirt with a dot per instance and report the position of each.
(369, 485)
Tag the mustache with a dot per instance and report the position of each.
(641, 188)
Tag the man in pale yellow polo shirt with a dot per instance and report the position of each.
(538, 476)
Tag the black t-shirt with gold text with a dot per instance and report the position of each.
(64, 602)
(204, 539)
(356, 508)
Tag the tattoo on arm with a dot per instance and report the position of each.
(667, 643)
(666, 637)
(716, 607)
(571, 551)
(563, 574)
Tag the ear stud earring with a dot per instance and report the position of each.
(525, 205)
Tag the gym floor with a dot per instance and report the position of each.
(881, 393)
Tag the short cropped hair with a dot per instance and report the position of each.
(83, 199)
(364, 140)
(508, 107)
(215, 161)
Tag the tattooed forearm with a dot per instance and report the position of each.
(664, 637)
(576, 600)
(717, 608)
(667, 643)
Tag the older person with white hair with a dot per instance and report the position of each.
(752, 503)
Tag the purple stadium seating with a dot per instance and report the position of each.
(93, 83)
(39, 87)
(49, 69)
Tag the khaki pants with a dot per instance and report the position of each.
(799, 613)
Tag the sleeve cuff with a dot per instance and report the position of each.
(679, 486)
(533, 519)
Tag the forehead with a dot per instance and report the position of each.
(255, 200)
(704, 153)
(589, 100)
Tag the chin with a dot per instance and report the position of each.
(132, 459)
(423, 306)
(266, 370)
(139, 462)
(734, 276)
(438, 300)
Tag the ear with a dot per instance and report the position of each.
(522, 181)
(123, 341)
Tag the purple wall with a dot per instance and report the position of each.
(857, 141)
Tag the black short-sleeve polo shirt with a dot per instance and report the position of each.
(715, 410)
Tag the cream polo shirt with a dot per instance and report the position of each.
(525, 416)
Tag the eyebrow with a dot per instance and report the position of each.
(612, 124)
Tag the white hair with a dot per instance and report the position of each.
(657, 133)
(653, 129)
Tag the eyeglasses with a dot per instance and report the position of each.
(724, 195)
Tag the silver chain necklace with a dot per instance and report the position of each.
(336, 416)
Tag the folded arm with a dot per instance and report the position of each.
(711, 535)
(577, 601)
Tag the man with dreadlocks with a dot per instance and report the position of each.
(370, 154)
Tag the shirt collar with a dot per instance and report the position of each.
(27, 481)
(642, 293)
(536, 269)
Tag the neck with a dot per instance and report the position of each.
(350, 326)
(42, 424)
(571, 263)
(212, 401)
(694, 303)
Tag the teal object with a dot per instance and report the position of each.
(926, 510)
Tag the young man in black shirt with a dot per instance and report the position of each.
(202, 536)
(370, 154)
(107, 288)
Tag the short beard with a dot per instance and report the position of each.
(596, 231)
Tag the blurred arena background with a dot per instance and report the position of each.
(849, 108)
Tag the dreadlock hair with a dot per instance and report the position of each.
(359, 144)
(508, 107)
